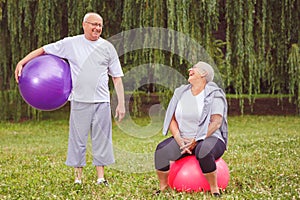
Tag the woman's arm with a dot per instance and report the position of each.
(175, 131)
(215, 124)
(186, 145)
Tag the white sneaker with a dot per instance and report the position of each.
(77, 181)
(102, 181)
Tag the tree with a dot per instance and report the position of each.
(255, 44)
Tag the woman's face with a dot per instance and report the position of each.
(195, 75)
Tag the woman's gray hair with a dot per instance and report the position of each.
(205, 67)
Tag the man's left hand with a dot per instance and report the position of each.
(120, 113)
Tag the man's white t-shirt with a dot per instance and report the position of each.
(91, 62)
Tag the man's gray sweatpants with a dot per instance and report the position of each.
(93, 118)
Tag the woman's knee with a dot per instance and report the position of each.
(210, 146)
(207, 163)
(163, 143)
(165, 151)
(207, 152)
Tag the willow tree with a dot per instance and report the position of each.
(195, 19)
(254, 44)
(259, 37)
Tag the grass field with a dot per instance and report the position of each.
(263, 158)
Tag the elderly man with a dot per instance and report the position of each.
(92, 59)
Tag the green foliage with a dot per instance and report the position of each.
(252, 43)
(294, 71)
(263, 158)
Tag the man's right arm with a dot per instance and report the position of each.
(27, 58)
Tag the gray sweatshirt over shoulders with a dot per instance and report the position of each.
(211, 93)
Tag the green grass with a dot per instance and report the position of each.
(263, 157)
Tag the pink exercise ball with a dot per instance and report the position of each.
(186, 175)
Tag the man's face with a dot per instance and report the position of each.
(92, 27)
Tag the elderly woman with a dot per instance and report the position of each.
(197, 119)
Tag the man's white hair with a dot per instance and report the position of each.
(87, 15)
(204, 67)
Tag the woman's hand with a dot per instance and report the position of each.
(186, 145)
(179, 140)
(189, 145)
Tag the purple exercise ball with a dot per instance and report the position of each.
(45, 82)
